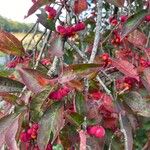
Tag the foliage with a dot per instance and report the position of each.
(84, 84)
(13, 26)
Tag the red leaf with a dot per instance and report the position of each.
(80, 5)
(11, 134)
(78, 70)
(117, 3)
(36, 6)
(137, 38)
(126, 68)
(33, 79)
(10, 44)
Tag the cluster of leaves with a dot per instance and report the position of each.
(74, 102)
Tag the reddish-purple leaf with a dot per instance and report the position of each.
(5, 126)
(132, 23)
(117, 3)
(78, 70)
(126, 68)
(11, 134)
(80, 6)
(137, 38)
(33, 79)
(36, 6)
(82, 135)
(10, 44)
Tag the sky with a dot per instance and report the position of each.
(16, 10)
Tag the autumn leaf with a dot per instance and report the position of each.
(78, 70)
(33, 79)
(9, 85)
(137, 38)
(80, 6)
(126, 68)
(9, 44)
(132, 23)
(117, 3)
(51, 123)
(36, 6)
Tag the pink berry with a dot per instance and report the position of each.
(35, 126)
(24, 137)
(100, 132)
(147, 18)
(29, 131)
(92, 129)
(123, 18)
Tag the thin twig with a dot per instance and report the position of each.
(123, 131)
(97, 32)
(29, 31)
(42, 49)
(81, 53)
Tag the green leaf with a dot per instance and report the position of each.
(75, 119)
(9, 85)
(37, 102)
(9, 44)
(10, 98)
(51, 123)
(47, 23)
(80, 103)
(132, 23)
(78, 70)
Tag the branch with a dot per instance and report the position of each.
(81, 53)
(97, 32)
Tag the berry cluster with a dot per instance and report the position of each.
(29, 136)
(31, 133)
(70, 30)
(116, 38)
(125, 84)
(106, 59)
(51, 12)
(96, 131)
(60, 93)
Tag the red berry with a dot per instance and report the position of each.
(91, 130)
(123, 18)
(29, 131)
(100, 132)
(79, 26)
(35, 126)
(24, 137)
(105, 56)
(49, 147)
(113, 21)
(147, 18)
(61, 30)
